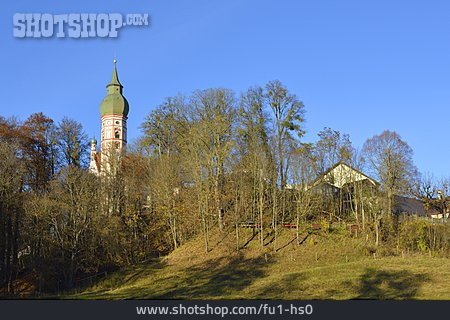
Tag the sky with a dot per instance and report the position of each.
(360, 67)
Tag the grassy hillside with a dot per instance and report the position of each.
(325, 266)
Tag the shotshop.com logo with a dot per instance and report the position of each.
(75, 25)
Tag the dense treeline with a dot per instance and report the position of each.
(205, 163)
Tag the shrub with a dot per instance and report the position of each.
(325, 225)
(422, 235)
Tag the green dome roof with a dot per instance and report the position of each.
(114, 102)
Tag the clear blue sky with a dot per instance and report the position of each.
(359, 66)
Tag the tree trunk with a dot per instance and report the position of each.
(377, 234)
(205, 225)
(261, 207)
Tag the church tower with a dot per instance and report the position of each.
(113, 112)
(93, 163)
